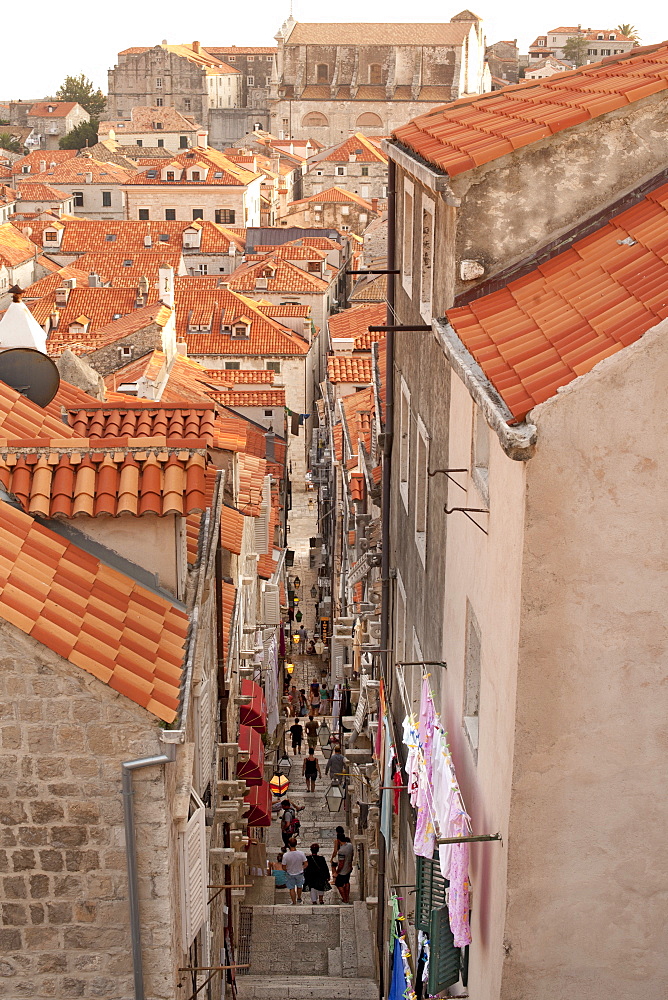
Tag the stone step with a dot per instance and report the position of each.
(305, 988)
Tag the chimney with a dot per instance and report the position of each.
(374, 204)
(55, 319)
(196, 47)
(42, 166)
(94, 280)
(166, 284)
(89, 177)
(148, 242)
(62, 295)
(142, 292)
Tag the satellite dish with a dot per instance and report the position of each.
(31, 373)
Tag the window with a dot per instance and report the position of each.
(158, 83)
(251, 58)
(140, 142)
(472, 662)
(421, 490)
(106, 199)
(183, 142)
(404, 441)
(431, 916)
(158, 104)
(193, 872)
(232, 366)
(592, 52)
(50, 237)
(273, 366)
(170, 215)
(268, 413)
(286, 122)
(605, 52)
(225, 216)
(164, 237)
(198, 213)
(250, 80)
(110, 237)
(195, 175)
(186, 104)
(611, 38)
(541, 41)
(241, 330)
(375, 74)
(407, 261)
(142, 214)
(427, 258)
(170, 175)
(78, 199)
(340, 171)
(25, 169)
(314, 266)
(600, 37)
(365, 171)
(161, 143)
(126, 352)
(369, 120)
(322, 73)
(400, 622)
(232, 59)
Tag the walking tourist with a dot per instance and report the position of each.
(324, 699)
(316, 875)
(344, 869)
(278, 871)
(290, 824)
(336, 766)
(297, 734)
(338, 840)
(314, 697)
(311, 769)
(303, 704)
(303, 639)
(295, 862)
(311, 728)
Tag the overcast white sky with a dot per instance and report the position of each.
(36, 65)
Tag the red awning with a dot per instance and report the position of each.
(251, 770)
(255, 713)
(259, 805)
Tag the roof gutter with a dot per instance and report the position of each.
(518, 440)
(435, 180)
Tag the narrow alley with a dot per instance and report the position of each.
(305, 951)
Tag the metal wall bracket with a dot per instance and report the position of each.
(467, 511)
(447, 472)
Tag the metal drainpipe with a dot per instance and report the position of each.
(127, 767)
(385, 538)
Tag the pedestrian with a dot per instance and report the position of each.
(338, 840)
(310, 650)
(314, 698)
(278, 871)
(303, 704)
(290, 824)
(295, 862)
(303, 639)
(297, 734)
(311, 728)
(294, 700)
(324, 699)
(311, 769)
(344, 869)
(316, 875)
(336, 767)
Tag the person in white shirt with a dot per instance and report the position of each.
(294, 862)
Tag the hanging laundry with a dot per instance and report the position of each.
(459, 904)
(397, 781)
(425, 833)
(398, 983)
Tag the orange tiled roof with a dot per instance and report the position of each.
(336, 194)
(15, 248)
(39, 156)
(218, 306)
(288, 251)
(100, 421)
(474, 130)
(349, 368)
(250, 397)
(20, 418)
(214, 168)
(231, 529)
(364, 150)
(282, 276)
(257, 376)
(194, 520)
(92, 615)
(144, 119)
(123, 269)
(357, 489)
(357, 409)
(123, 236)
(98, 305)
(251, 481)
(48, 285)
(372, 289)
(74, 172)
(141, 318)
(36, 191)
(121, 475)
(285, 309)
(545, 329)
(52, 109)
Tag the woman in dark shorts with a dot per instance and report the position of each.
(311, 769)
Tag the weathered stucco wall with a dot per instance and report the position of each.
(65, 924)
(587, 862)
(517, 203)
(485, 572)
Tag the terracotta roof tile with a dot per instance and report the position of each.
(474, 130)
(349, 368)
(100, 421)
(338, 195)
(35, 191)
(358, 145)
(544, 329)
(354, 323)
(247, 396)
(234, 376)
(56, 592)
(213, 166)
(221, 306)
(231, 529)
(357, 488)
(251, 471)
(15, 248)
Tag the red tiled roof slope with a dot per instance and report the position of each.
(474, 130)
(545, 329)
(92, 615)
(349, 368)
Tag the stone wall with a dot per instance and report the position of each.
(287, 117)
(65, 926)
(132, 83)
(322, 174)
(108, 359)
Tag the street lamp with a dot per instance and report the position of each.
(279, 784)
(297, 582)
(284, 765)
(323, 734)
(314, 592)
(289, 667)
(334, 797)
(327, 751)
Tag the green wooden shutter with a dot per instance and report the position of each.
(430, 889)
(444, 957)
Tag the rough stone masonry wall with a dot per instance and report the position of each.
(64, 930)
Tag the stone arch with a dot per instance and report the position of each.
(314, 119)
(369, 120)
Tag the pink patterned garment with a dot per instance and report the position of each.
(425, 835)
(458, 905)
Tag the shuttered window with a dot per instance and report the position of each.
(204, 723)
(193, 871)
(271, 605)
(431, 916)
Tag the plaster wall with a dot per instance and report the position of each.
(485, 572)
(587, 861)
(158, 137)
(183, 199)
(147, 541)
(92, 207)
(519, 202)
(330, 214)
